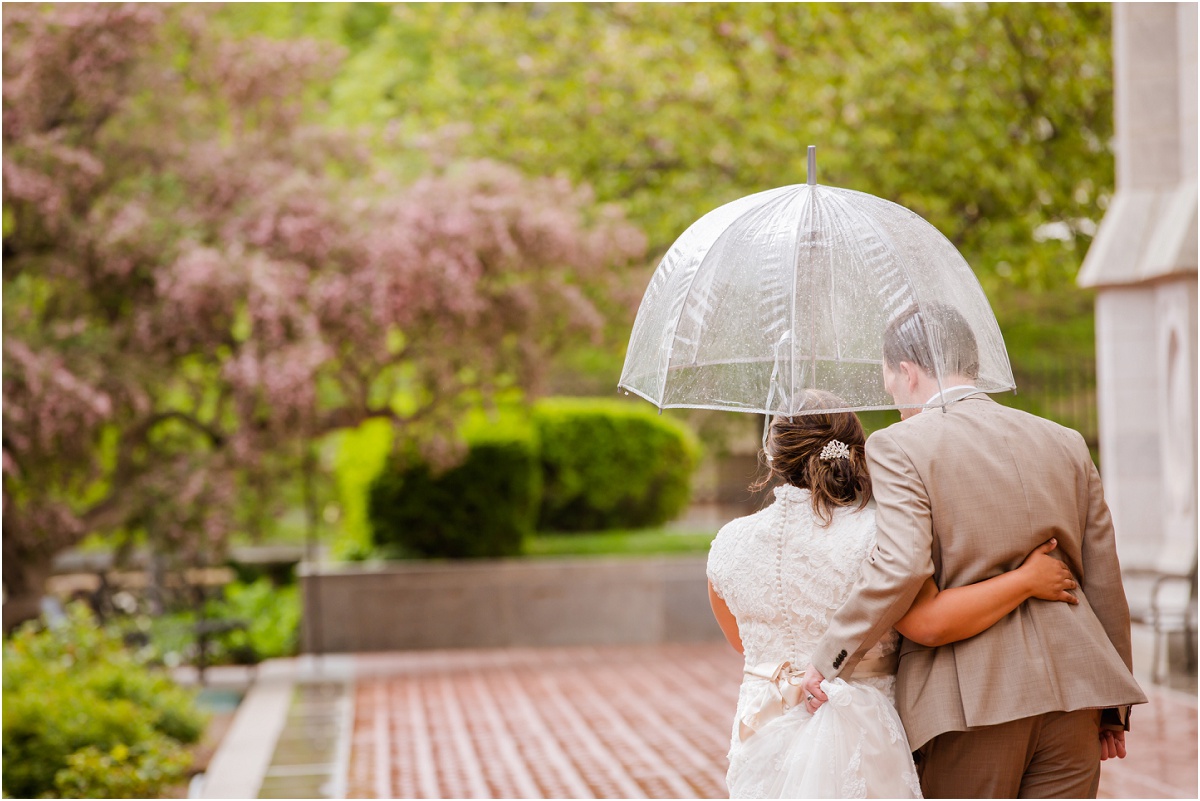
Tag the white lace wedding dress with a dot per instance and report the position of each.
(783, 575)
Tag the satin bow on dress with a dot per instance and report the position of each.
(783, 689)
(780, 692)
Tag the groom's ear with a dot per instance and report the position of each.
(910, 376)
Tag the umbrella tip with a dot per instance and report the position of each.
(812, 165)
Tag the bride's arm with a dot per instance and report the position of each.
(725, 619)
(937, 618)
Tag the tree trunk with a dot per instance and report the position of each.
(24, 584)
(33, 535)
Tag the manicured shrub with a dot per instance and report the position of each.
(85, 717)
(602, 464)
(484, 507)
(610, 464)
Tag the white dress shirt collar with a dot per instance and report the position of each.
(952, 394)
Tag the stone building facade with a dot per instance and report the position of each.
(1143, 265)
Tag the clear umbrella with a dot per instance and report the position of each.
(792, 289)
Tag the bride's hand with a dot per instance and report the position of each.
(1048, 578)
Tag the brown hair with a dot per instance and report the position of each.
(794, 455)
(938, 336)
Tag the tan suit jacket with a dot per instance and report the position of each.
(963, 495)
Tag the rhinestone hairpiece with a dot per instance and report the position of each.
(835, 449)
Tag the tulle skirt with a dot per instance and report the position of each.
(853, 747)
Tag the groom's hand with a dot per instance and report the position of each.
(814, 696)
(1112, 744)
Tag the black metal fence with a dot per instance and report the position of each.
(1062, 390)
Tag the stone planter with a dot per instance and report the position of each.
(510, 602)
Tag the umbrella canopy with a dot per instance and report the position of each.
(791, 289)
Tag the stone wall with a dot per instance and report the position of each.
(398, 606)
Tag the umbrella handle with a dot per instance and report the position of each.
(766, 431)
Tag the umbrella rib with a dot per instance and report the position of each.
(981, 293)
(903, 265)
(810, 196)
(833, 305)
(695, 272)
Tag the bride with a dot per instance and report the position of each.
(775, 578)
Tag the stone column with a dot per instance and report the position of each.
(1143, 263)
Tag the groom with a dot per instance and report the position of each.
(1032, 705)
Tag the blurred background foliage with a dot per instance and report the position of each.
(350, 138)
(256, 620)
(992, 121)
(260, 258)
(203, 277)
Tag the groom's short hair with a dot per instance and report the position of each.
(931, 336)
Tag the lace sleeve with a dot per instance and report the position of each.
(719, 554)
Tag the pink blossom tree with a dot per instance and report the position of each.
(200, 278)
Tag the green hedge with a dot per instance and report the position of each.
(85, 718)
(484, 507)
(611, 464)
(565, 465)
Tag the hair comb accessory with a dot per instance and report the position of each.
(835, 449)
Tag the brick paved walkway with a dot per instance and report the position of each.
(611, 722)
(615, 722)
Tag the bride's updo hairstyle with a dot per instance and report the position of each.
(795, 445)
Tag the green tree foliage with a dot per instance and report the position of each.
(993, 121)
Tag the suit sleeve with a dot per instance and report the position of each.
(894, 573)
(1101, 578)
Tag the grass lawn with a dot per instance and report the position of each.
(619, 543)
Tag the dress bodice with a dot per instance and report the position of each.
(783, 574)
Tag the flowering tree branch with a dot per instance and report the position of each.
(200, 279)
